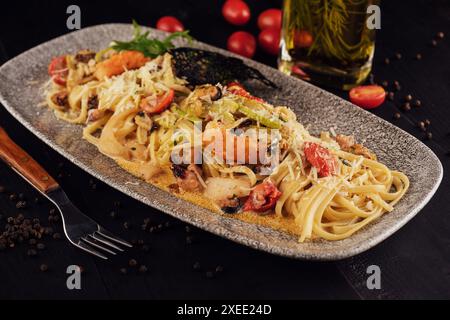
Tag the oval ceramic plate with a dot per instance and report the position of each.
(22, 77)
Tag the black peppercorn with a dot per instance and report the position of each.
(32, 253)
(43, 267)
(417, 103)
(52, 211)
(391, 96)
(57, 236)
(421, 125)
(21, 204)
(419, 56)
(385, 83)
(427, 122)
(123, 270)
(143, 269)
(406, 106)
(408, 97)
(219, 269)
(429, 135)
(209, 274)
(387, 61)
(189, 240)
(40, 246)
(127, 225)
(440, 35)
(433, 43)
(132, 263)
(196, 266)
(13, 197)
(398, 55)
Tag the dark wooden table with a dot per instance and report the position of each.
(415, 262)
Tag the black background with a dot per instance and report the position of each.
(415, 262)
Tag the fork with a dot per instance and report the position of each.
(83, 232)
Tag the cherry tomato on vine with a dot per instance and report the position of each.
(270, 18)
(169, 24)
(269, 40)
(303, 39)
(236, 12)
(368, 97)
(242, 43)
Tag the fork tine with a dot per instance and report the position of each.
(92, 243)
(89, 249)
(108, 235)
(105, 242)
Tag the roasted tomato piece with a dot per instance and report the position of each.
(57, 69)
(157, 104)
(263, 197)
(239, 90)
(321, 159)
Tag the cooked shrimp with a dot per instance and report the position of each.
(119, 63)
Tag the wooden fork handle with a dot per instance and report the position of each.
(23, 163)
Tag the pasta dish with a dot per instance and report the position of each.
(220, 147)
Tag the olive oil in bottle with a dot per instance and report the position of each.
(327, 42)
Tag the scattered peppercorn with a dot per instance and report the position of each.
(387, 61)
(209, 274)
(123, 270)
(406, 106)
(21, 204)
(433, 43)
(113, 214)
(398, 55)
(429, 135)
(189, 240)
(143, 269)
(219, 269)
(13, 197)
(127, 225)
(32, 253)
(385, 83)
(427, 122)
(40, 246)
(2, 189)
(417, 103)
(196, 266)
(188, 229)
(132, 263)
(408, 97)
(52, 211)
(43, 267)
(397, 86)
(391, 96)
(56, 236)
(440, 35)
(421, 125)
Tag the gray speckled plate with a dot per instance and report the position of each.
(21, 78)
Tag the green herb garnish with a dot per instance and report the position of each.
(149, 47)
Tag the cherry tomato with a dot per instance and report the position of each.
(57, 69)
(368, 97)
(303, 39)
(169, 24)
(242, 43)
(269, 40)
(321, 159)
(270, 19)
(236, 12)
(154, 105)
(263, 197)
